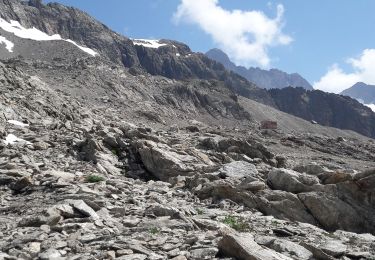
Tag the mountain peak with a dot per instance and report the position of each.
(362, 92)
(220, 56)
(360, 84)
(268, 79)
(218, 53)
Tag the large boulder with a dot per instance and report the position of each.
(291, 249)
(312, 168)
(291, 181)
(351, 207)
(223, 189)
(164, 162)
(239, 170)
(283, 205)
(331, 212)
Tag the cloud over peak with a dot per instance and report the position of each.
(336, 80)
(245, 36)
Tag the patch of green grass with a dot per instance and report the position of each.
(237, 223)
(200, 211)
(94, 178)
(154, 231)
(114, 152)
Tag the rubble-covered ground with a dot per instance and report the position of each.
(127, 177)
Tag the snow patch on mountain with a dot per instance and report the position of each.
(85, 49)
(12, 139)
(17, 123)
(155, 44)
(34, 34)
(372, 106)
(8, 44)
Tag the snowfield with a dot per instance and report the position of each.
(34, 34)
(8, 44)
(12, 139)
(17, 123)
(372, 106)
(148, 43)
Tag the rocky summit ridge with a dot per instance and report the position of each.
(267, 79)
(103, 161)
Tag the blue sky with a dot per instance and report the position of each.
(324, 35)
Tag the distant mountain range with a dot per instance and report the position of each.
(267, 79)
(362, 92)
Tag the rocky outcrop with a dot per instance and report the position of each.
(250, 148)
(342, 205)
(290, 181)
(166, 163)
(283, 205)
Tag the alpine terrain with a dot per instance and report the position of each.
(118, 148)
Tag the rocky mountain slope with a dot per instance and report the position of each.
(173, 60)
(361, 91)
(101, 161)
(90, 179)
(327, 109)
(267, 79)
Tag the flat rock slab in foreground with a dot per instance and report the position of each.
(243, 247)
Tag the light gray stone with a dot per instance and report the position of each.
(243, 247)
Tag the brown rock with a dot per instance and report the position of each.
(22, 184)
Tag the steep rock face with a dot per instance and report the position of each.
(262, 78)
(72, 24)
(326, 109)
(361, 91)
(173, 59)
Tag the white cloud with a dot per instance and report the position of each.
(244, 35)
(363, 70)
